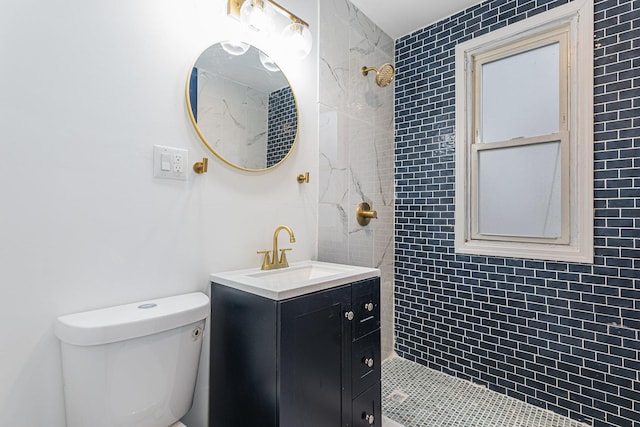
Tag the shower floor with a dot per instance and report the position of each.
(416, 396)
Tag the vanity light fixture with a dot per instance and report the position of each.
(255, 15)
(298, 37)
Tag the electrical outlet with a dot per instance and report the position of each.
(170, 163)
(178, 163)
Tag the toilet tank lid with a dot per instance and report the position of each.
(134, 320)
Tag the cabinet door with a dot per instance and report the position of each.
(243, 381)
(314, 346)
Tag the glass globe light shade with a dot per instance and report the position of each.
(235, 48)
(299, 40)
(268, 63)
(253, 14)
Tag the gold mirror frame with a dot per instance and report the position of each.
(204, 139)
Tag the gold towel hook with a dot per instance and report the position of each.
(303, 178)
(201, 167)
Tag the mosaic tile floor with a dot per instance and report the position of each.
(416, 396)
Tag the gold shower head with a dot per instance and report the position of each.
(384, 75)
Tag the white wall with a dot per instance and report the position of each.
(87, 88)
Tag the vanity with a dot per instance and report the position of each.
(295, 347)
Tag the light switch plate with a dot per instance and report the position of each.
(170, 163)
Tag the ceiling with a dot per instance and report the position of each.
(401, 17)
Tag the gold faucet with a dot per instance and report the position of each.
(271, 263)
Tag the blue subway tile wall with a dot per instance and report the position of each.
(282, 124)
(561, 336)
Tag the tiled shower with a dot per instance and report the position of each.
(561, 336)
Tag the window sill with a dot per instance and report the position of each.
(545, 252)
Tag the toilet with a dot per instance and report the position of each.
(133, 365)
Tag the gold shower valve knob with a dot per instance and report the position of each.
(365, 213)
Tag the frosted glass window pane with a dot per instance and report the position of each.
(521, 95)
(519, 191)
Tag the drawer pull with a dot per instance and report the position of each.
(368, 361)
(368, 306)
(349, 315)
(368, 418)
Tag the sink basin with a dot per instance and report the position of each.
(298, 279)
(296, 274)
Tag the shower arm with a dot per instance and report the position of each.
(365, 70)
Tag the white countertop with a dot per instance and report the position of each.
(299, 278)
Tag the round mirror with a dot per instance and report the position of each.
(242, 106)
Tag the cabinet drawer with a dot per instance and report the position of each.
(365, 362)
(366, 306)
(367, 408)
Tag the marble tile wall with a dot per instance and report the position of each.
(229, 112)
(356, 148)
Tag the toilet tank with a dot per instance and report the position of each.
(133, 365)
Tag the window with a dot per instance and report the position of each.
(524, 138)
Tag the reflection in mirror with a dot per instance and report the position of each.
(242, 106)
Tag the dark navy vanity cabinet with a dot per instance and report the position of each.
(307, 361)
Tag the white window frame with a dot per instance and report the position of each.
(560, 37)
(572, 26)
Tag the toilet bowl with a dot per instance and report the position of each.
(133, 365)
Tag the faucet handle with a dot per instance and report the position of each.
(283, 257)
(266, 261)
